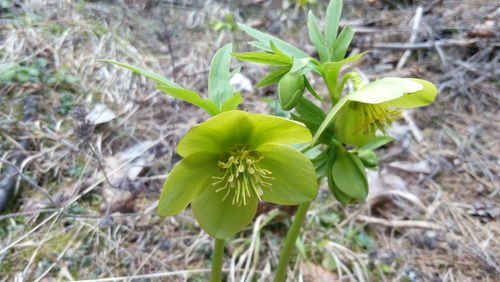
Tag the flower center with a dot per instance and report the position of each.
(242, 176)
(374, 117)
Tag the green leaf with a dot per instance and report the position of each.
(189, 176)
(302, 65)
(264, 40)
(349, 175)
(312, 116)
(190, 97)
(416, 99)
(385, 89)
(294, 178)
(312, 90)
(379, 141)
(316, 37)
(219, 89)
(341, 44)
(232, 103)
(264, 58)
(274, 76)
(332, 69)
(343, 198)
(332, 21)
(220, 218)
(329, 118)
(156, 77)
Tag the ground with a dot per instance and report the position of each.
(84, 206)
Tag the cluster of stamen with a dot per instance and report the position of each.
(242, 176)
(375, 117)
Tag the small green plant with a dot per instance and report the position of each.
(236, 159)
(227, 23)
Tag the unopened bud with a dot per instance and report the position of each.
(290, 90)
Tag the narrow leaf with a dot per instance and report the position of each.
(264, 40)
(219, 89)
(156, 77)
(190, 97)
(332, 21)
(340, 46)
(264, 58)
(312, 90)
(273, 77)
(316, 37)
(329, 118)
(379, 141)
(232, 103)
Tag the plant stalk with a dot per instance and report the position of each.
(217, 259)
(291, 238)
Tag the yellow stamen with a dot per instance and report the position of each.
(242, 176)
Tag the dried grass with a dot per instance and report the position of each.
(82, 237)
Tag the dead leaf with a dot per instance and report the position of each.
(101, 114)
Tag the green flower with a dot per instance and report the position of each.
(372, 107)
(231, 162)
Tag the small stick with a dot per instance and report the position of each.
(413, 37)
(399, 223)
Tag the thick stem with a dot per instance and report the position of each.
(291, 238)
(217, 257)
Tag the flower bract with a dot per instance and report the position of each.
(231, 162)
(374, 106)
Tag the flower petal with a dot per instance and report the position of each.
(217, 134)
(385, 89)
(348, 128)
(221, 219)
(294, 175)
(186, 180)
(416, 99)
(277, 130)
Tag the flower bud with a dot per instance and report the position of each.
(368, 158)
(290, 90)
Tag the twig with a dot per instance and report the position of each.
(428, 44)
(399, 223)
(413, 37)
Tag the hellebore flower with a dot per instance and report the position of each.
(372, 107)
(231, 162)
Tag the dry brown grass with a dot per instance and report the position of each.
(101, 223)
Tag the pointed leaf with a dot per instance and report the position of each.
(341, 44)
(274, 76)
(316, 37)
(379, 141)
(156, 77)
(329, 118)
(232, 103)
(264, 58)
(332, 21)
(264, 40)
(190, 97)
(219, 89)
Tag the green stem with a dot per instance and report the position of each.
(217, 256)
(291, 238)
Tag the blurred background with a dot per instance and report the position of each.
(85, 146)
